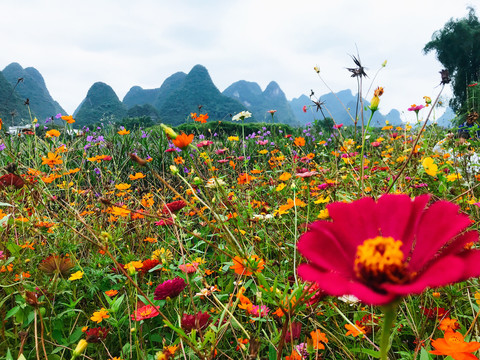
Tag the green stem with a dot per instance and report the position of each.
(362, 170)
(390, 313)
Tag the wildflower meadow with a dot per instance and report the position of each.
(239, 240)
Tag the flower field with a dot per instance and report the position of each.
(266, 243)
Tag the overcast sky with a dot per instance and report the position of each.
(125, 43)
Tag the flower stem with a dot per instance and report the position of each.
(362, 170)
(390, 313)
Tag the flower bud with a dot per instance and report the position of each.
(174, 169)
(171, 134)
(80, 349)
(374, 103)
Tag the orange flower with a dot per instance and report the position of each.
(354, 330)
(178, 160)
(448, 324)
(68, 118)
(454, 345)
(111, 293)
(247, 266)
(294, 356)
(318, 339)
(299, 141)
(244, 178)
(123, 132)
(52, 133)
(285, 176)
(183, 140)
(52, 159)
(136, 176)
(98, 316)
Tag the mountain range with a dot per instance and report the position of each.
(178, 96)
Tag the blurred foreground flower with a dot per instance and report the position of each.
(384, 250)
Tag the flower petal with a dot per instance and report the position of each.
(337, 285)
(440, 223)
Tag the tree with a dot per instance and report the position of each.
(457, 47)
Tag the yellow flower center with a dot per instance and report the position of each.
(380, 260)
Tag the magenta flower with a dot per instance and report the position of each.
(416, 108)
(169, 289)
(384, 250)
(197, 321)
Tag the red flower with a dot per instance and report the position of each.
(169, 289)
(338, 126)
(304, 108)
(148, 265)
(173, 206)
(145, 312)
(96, 335)
(380, 251)
(11, 179)
(198, 321)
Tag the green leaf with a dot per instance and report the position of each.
(272, 353)
(424, 355)
(12, 312)
(117, 303)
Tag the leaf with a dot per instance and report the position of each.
(424, 355)
(12, 312)
(117, 303)
(5, 204)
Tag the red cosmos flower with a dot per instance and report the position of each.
(304, 108)
(169, 289)
(380, 251)
(337, 126)
(173, 206)
(145, 312)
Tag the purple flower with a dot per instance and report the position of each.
(58, 116)
(2, 147)
(97, 171)
(169, 289)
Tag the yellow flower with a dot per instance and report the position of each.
(233, 138)
(98, 316)
(120, 211)
(76, 276)
(453, 177)
(132, 266)
(280, 187)
(477, 297)
(323, 214)
(430, 167)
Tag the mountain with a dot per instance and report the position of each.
(259, 103)
(446, 119)
(198, 90)
(139, 96)
(155, 97)
(33, 87)
(100, 104)
(332, 107)
(12, 108)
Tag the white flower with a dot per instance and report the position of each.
(242, 116)
(215, 182)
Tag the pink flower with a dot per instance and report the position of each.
(169, 289)
(272, 111)
(416, 108)
(262, 142)
(145, 312)
(337, 126)
(204, 143)
(376, 144)
(188, 268)
(165, 222)
(382, 250)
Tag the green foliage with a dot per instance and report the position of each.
(457, 47)
(131, 123)
(33, 87)
(101, 103)
(198, 90)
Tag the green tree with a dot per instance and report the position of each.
(457, 47)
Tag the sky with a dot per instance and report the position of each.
(124, 43)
